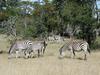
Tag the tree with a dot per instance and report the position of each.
(77, 13)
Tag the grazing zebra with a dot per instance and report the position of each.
(38, 47)
(75, 46)
(19, 47)
(51, 38)
(58, 38)
(55, 38)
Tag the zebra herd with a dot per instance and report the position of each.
(27, 48)
(55, 38)
(30, 49)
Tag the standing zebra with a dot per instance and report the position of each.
(19, 47)
(75, 46)
(38, 47)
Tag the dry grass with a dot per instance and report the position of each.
(50, 64)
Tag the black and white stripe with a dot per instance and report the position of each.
(75, 46)
(39, 47)
(22, 46)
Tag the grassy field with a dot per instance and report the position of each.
(49, 64)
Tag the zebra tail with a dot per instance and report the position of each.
(38, 53)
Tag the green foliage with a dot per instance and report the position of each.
(50, 17)
(76, 13)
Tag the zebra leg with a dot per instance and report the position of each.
(11, 56)
(27, 54)
(72, 54)
(43, 50)
(17, 54)
(32, 54)
(85, 52)
(38, 53)
(85, 56)
(62, 54)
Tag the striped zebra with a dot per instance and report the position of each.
(20, 47)
(55, 39)
(38, 48)
(75, 46)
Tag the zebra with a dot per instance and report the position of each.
(38, 47)
(58, 38)
(51, 38)
(19, 47)
(75, 46)
(55, 39)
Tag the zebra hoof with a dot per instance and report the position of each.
(41, 55)
(26, 57)
(1, 52)
(60, 57)
(85, 59)
(33, 57)
(9, 57)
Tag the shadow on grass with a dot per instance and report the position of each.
(68, 57)
(79, 58)
(50, 54)
(3, 52)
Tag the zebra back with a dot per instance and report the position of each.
(20, 45)
(80, 45)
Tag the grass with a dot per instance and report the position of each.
(4, 44)
(50, 64)
(96, 45)
(98, 40)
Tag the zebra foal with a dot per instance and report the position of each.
(75, 46)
